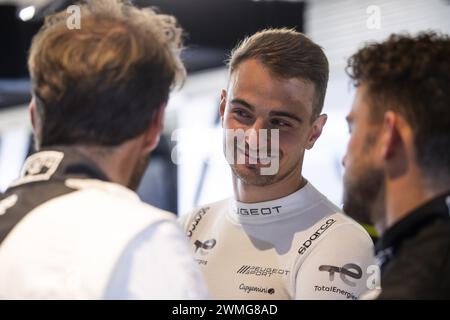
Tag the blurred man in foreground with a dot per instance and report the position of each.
(71, 227)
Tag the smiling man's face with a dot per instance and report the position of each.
(257, 100)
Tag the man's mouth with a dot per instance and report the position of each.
(252, 157)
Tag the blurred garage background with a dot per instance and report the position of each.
(188, 168)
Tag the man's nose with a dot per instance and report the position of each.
(257, 131)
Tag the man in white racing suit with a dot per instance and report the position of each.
(278, 238)
(72, 227)
(68, 232)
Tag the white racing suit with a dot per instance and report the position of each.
(297, 247)
(68, 233)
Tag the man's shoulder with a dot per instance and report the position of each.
(430, 245)
(335, 231)
(117, 200)
(214, 206)
(189, 221)
(207, 209)
(437, 232)
(328, 216)
(419, 268)
(345, 225)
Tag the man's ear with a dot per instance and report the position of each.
(223, 103)
(316, 130)
(391, 136)
(151, 136)
(396, 146)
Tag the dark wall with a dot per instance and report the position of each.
(15, 39)
(221, 23)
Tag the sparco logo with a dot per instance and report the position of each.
(196, 219)
(315, 235)
(261, 271)
(258, 211)
(345, 271)
(250, 289)
(207, 245)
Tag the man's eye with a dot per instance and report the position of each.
(241, 113)
(280, 123)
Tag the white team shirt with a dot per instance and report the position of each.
(99, 242)
(297, 247)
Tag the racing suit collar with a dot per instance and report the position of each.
(58, 163)
(437, 208)
(284, 207)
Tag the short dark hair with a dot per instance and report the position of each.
(411, 75)
(287, 54)
(103, 83)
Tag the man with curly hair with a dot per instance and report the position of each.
(398, 160)
(72, 227)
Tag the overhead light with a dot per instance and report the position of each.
(27, 13)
